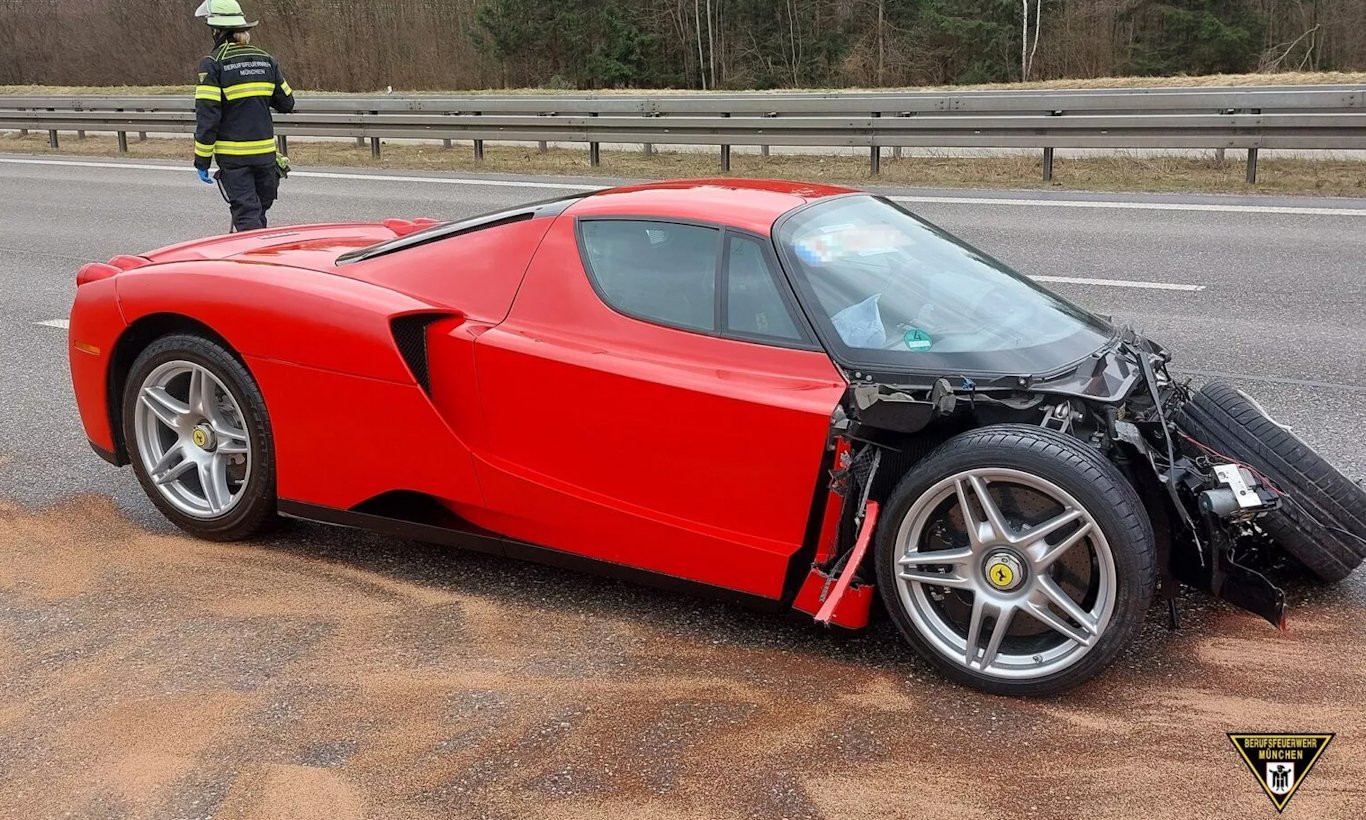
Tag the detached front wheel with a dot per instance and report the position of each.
(1016, 560)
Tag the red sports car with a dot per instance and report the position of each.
(797, 396)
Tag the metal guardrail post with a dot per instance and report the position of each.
(374, 147)
(52, 140)
(649, 149)
(360, 142)
(284, 145)
(478, 146)
(725, 154)
(123, 142)
(446, 144)
(1048, 165)
(542, 147)
(594, 152)
(80, 134)
(1252, 157)
(875, 153)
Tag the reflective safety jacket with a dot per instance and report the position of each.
(238, 86)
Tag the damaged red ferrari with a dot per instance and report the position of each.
(795, 396)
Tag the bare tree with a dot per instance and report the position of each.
(1026, 50)
(701, 60)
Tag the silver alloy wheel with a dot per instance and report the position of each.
(1008, 570)
(192, 439)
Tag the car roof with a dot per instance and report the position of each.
(750, 204)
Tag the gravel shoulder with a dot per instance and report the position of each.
(148, 675)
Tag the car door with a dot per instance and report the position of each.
(654, 399)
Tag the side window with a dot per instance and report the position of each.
(754, 304)
(657, 271)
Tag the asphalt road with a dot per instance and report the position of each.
(142, 674)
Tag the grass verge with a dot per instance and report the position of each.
(1120, 172)
(1203, 81)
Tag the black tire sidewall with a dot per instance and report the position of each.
(1316, 524)
(1084, 474)
(257, 509)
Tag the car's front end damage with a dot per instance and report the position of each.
(985, 412)
(1123, 402)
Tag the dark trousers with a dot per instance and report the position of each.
(251, 190)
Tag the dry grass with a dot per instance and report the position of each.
(1211, 80)
(1121, 172)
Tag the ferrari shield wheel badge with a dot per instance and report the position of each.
(203, 438)
(1004, 571)
(1280, 762)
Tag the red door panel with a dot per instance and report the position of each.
(646, 445)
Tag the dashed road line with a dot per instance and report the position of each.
(1212, 207)
(1118, 283)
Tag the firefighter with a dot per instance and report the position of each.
(238, 86)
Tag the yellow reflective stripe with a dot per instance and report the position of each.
(240, 149)
(244, 95)
(202, 150)
(241, 90)
(208, 92)
(285, 88)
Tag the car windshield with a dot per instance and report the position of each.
(887, 289)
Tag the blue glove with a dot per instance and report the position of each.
(204, 176)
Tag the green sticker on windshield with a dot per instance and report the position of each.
(917, 340)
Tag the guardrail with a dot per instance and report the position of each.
(1300, 117)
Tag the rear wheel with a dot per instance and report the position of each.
(1016, 560)
(1322, 521)
(199, 438)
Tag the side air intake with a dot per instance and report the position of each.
(410, 335)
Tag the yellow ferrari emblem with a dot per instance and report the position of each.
(200, 438)
(1001, 575)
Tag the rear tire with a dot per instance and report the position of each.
(1324, 510)
(199, 438)
(1068, 521)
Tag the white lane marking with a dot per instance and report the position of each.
(1117, 283)
(1291, 210)
(61, 324)
(502, 183)
(496, 183)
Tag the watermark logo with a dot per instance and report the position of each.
(1280, 762)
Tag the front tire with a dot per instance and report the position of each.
(199, 438)
(1041, 585)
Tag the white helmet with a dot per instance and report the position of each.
(224, 14)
